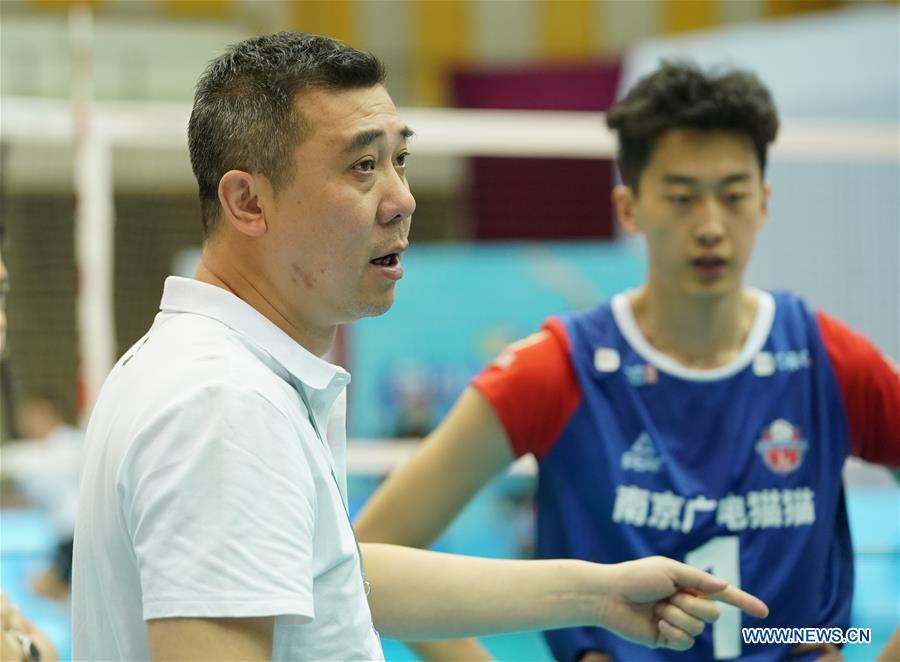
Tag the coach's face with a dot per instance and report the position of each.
(336, 233)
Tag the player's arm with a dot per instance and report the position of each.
(518, 405)
(656, 602)
(518, 395)
(450, 650)
(891, 650)
(418, 500)
(870, 390)
(210, 638)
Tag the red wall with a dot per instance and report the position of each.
(515, 198)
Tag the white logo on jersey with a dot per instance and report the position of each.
(758, 509)
(508, 356)
(606, 359)
(763, 364)
(766, 363)
(642, 455)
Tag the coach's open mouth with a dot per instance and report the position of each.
(389, 260)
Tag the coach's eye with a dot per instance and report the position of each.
(366, 165)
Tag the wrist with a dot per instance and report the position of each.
(594, 584)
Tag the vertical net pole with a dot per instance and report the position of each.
(94, 241)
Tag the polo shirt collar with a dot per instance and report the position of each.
(187, 295)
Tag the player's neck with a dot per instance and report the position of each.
(224, 273)
(701, 332)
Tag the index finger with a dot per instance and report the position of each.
(742, 600)
(704, 584)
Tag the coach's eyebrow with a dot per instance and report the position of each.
(366, 138)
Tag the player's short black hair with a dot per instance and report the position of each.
(679, 95)
(244, 116)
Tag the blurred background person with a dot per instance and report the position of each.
(20, 639)
(44, 467)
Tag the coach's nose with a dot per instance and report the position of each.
(398, 203)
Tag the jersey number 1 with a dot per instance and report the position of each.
(721, 557)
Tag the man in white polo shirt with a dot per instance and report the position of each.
(212, 522)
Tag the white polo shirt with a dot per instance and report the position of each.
(208, 492)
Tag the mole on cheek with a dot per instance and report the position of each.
(307, 279)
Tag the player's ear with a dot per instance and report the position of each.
(240, 197)
(623, 200)
(764, 212)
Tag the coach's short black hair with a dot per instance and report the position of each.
(679, 95)
(243, 116)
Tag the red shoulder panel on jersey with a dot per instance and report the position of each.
(870, 388)
(533, 389)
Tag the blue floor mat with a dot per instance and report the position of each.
(27, 543)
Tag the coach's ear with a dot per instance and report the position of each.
(623, 200)
(240, 197)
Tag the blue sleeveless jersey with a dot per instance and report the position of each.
(735, 471)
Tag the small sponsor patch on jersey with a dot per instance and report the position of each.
(766, 364)
(782, 447)
(642, 455)
(508, 356)
(606, 359)
(642, 374)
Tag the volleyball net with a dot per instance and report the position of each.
(96, 130)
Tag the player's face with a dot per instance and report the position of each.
(701, 202)
(336, 233)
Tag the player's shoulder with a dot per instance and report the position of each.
(601, 326)
(599, 318)
(785, 301)
(792, 308)
(598, 314)
(789, 313)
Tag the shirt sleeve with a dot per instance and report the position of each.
(533, 389)
(870, 389)
(219, 500)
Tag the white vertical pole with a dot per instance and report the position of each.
(94, 239)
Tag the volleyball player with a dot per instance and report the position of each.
(693, 417)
